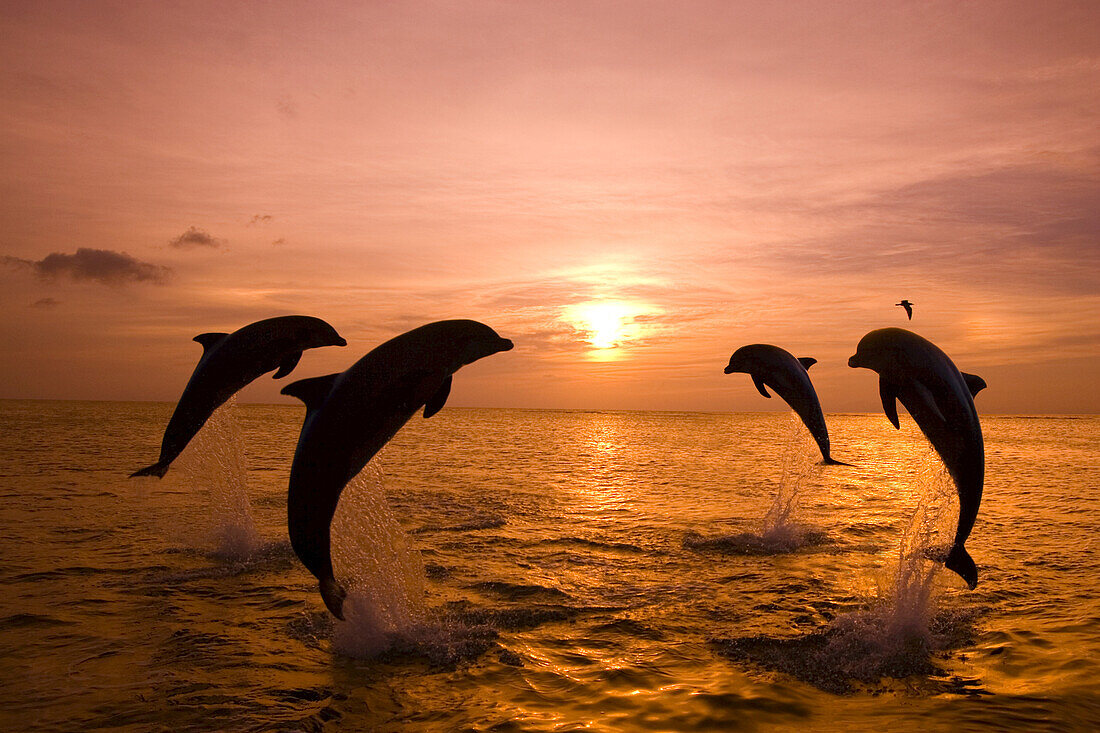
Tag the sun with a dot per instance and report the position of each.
(607, 325)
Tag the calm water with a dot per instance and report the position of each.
(556, 571)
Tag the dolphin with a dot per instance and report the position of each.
(779, 369)
(350, 416)
(229, 362)
(940, 399)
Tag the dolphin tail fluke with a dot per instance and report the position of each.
(333, 595)
(830, 461)
(157, 469)
(959, 561)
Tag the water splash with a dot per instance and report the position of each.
(799, 468)
(897, 635)
(383, 574)
(902, 630)
(214, 462)
(780, 530)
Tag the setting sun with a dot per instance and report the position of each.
(606, 325)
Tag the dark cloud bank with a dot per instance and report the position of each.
(98, 265)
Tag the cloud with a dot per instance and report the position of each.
(279, 241)
(1029, 225)
(101, 265)
(45, 303)
(195, 237)
(260, 219)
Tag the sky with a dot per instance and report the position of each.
(628, 190)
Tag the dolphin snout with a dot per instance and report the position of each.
(728, 370)
(340, 341)
(852, 361)
(505, 345)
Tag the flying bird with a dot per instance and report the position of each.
(908, 308)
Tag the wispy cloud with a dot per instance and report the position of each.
(45, 303)
(260, 219)
(195, 237)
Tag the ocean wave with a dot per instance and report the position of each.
(779, 541)
(593, 544)
(519, 591)
(29, 620)
(489, 522)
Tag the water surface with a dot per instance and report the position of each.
(572, 571)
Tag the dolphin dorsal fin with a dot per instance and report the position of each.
(974, 383)
(889, 397)
(436, 401)
(760, 386)
(807, 361)
(209, 341)
(312, 391)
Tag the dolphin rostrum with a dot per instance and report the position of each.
(940, 399)
(229, 362)
(779, 369)
(350, 416)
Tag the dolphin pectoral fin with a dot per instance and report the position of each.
(959, 561)
(209, 340)
(889, 398)
(974, 383)
(333, 595)
(286, 366)
(834, 462)
(312, 391)
(437, 400)
(760, 386)
(807, 361)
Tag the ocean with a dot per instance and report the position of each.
(539, 570)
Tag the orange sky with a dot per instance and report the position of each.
(709, 174)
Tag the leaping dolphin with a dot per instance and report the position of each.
(941, 400)
(908, 308)
(229, 362)
(788, 376)
(350, 416)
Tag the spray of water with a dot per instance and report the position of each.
(894, 635)
(799, 469)
(780, 530)
(901, 631)
(214, 463)
(382, 572)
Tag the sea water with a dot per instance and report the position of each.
(546, 571)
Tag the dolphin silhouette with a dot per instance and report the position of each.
(350, 416)
(940, 399)
(229, 362)
(779, 369)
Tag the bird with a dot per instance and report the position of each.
(908, 308)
